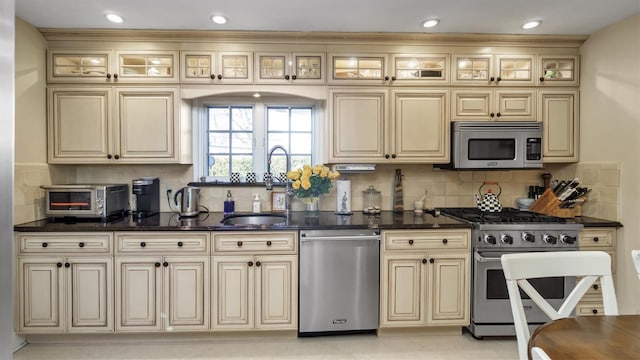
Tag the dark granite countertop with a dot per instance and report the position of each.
(211, 222)
(595, 222)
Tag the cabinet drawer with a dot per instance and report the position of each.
(154, 242)
(597, 238)
(40, 243)
(268, 242)
(439, 239)
(589, 309)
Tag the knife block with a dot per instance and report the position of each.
(549, 204)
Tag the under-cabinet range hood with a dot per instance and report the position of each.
(353, 168)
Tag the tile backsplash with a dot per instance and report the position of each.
(443, 188)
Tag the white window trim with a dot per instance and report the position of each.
(199, 118)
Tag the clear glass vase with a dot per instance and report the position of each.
(311, 206)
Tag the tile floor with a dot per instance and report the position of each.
(394, 346)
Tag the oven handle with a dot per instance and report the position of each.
(478, 256)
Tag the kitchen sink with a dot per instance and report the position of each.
(254, 219)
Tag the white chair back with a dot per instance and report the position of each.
(635, 255)
(590, 265)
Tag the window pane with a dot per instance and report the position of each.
(219, 118)
(299, 161)
(241, 119)
(278, 139)
(218, 166)
(241, 143)
(218, 143)
(301, 143)
(278, 119)
(301, 119)
(242, 164)
(278, 163)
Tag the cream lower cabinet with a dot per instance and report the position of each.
(162, 282)
(363, 129)
(559, 113)
(596, 239)
(254, 292)
(65, 283)
(255, 281)
(425, 278)
(120, 125)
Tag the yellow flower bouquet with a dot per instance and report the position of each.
(311, 181)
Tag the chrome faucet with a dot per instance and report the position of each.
(268, 182)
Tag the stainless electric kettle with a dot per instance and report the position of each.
(189, 201)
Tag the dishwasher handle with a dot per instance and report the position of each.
(340, 238)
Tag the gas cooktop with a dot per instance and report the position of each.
(506, 216)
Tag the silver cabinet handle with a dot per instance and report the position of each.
(340, 238)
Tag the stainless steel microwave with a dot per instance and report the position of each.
(99, 201)
(495, 145)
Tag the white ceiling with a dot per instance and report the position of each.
(566, 17)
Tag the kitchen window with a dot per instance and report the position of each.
(235, 137)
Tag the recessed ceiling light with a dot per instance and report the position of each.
(256, 95)
(531, 24)
(430, 23)
(115, 18)
(219, 19)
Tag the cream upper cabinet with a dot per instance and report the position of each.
(486, 69)
(290, 68)
(216, 67)
(414, 130)
(425, 278)
(65, 285)
(113, 125)
(555, 70)
(420, 69)
(358, 69)
(77, 66)
(493, 105)
(419, 126)
(558, 111)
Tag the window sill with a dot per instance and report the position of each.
(234, 184)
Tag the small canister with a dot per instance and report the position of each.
(371, 201)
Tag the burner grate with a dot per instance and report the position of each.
(506, 216)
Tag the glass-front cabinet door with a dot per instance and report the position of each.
(198, 67)
(71, 66)
(559, 70)
(422, 68)
(235, 67)
(287, 68)
(483, 69)
(147, 66)
(358, 69)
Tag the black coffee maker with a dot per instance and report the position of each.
(147, 191)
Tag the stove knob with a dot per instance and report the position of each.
(490, 239)
(528, 237)
(550, 239)
(507, 239)
(566, 239)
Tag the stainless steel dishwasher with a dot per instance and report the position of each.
(339, 281)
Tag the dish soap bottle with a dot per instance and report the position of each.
(256, 203)
(229, 204)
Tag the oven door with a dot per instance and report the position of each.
(70, 202)
(491, 299)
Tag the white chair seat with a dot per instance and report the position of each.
(589, 265)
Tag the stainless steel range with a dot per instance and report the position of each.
(512, 231)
